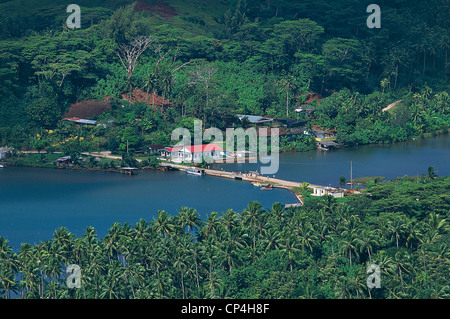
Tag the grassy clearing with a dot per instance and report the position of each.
(35, 160)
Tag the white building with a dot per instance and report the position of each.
(194, 153)
(322, 191)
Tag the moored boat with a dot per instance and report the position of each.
(266, 187)
(195, 171)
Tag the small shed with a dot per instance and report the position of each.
(326, 145)
(5, 153)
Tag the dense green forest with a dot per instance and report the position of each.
(320, 250)
(214, 59)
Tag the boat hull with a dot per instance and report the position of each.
(195, 172)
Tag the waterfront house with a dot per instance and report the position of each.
(169, 152)
(155, 149)
(195, 153)
(321, 135)
(332, 191)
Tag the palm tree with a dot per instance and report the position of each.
(110, 284)
(90, 243)
(211, 226)
(384, 84)
(231, 245)
(442, 101)
(195, 251)
(8, 267)
(348, 242)
(290, 85)
(277, 212)
(141, 231)
(307, 237)
(189, 218)
(211, 253)
(156, 257)
(413, 234)
(325, 228)
(402, 262)
(111, 241)
(63, 243)
(42, 251)
(252, 216)
(289, 247)
(367, 240)
(163, 224)
(272, 239)
(432, 172)
(343, 287)
(397, 228)
(435, 223)
(230, 219)
(25, 259)
(213, 284)
(180, 266)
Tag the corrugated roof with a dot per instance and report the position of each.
(255, 118)
(203, 148)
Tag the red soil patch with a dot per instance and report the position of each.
(161, 8)
(313, 97)
(150, 99)
(87, 109)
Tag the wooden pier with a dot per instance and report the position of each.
(250, 177)
(129, 170)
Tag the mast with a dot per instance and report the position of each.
(351, 174)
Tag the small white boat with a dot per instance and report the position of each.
(258, 184)
(2, 165)
(195, 171)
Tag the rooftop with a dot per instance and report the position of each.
(254, 119)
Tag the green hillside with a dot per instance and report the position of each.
(215, 59)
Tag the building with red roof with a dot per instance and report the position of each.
(196, 153)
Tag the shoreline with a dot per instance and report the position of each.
(276, 183)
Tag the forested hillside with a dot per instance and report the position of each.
(212, 60)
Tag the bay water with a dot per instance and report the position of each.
(35, 202)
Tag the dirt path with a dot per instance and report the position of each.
(106, 154)
(391, 105)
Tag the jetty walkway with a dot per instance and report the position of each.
(250, 177)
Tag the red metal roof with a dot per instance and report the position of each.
(172, 149)
(197, 148)
(203, 148)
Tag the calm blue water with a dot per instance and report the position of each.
(391, 161)
(35, 202)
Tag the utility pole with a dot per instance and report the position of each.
(351, 174)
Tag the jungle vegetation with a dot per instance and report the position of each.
(213, 60)
(319, 250)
